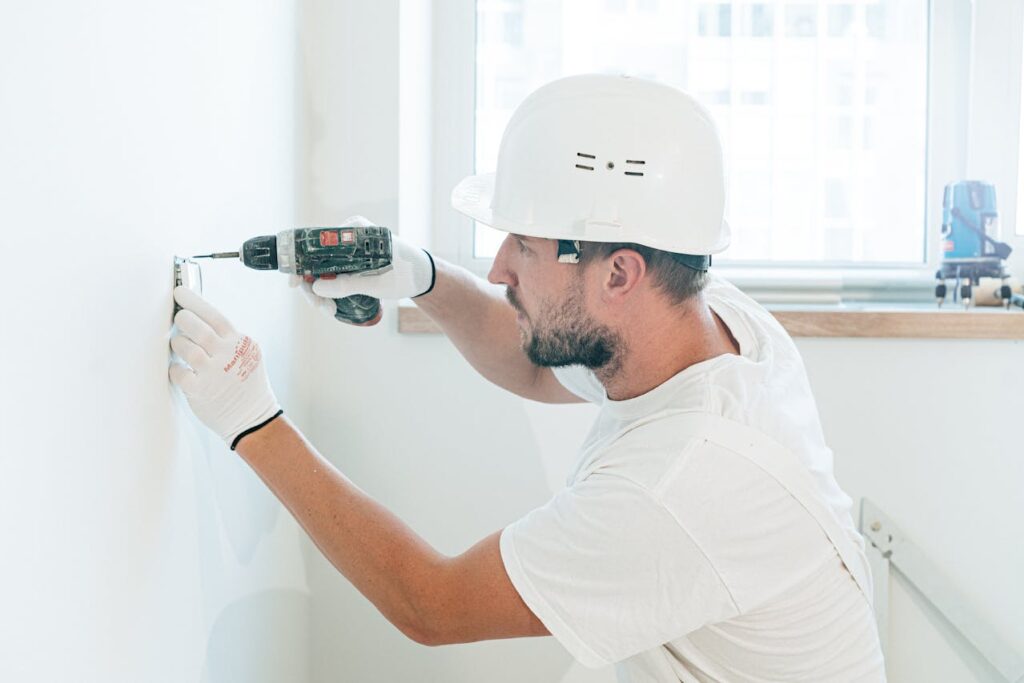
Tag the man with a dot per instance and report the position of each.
(703, 536)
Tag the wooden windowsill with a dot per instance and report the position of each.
(878, 321)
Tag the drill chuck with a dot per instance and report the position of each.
(260, 253)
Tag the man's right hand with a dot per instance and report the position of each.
(411, 275)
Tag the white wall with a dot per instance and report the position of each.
(923, 428)
(136, 547)
(926, 429)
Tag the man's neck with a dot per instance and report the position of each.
(655, 351)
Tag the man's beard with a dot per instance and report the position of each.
(562, 335)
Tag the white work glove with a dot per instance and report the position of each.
(411, 275)
(226, 385)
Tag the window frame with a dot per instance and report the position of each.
(950, 130)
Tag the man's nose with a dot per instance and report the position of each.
(500, 273)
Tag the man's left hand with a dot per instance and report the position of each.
(225, 380)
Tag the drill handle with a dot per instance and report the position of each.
(357, 309)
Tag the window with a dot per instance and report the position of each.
(1020, 155)
(761, 17)
(840, 20)
(801, 21)
(714, 19)
(822, 107)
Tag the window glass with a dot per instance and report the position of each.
(821, 107)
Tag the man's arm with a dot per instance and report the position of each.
(473, 314)
(482, 325)
(431, 598)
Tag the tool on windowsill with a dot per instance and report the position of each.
(971, 247)
(315, 253)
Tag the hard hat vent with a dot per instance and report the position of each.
(637, 164)
(587, 160)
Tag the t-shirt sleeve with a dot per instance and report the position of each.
(610, 572)
(580, 381)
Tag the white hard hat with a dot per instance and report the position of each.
(606, 159)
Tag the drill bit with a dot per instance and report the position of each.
(222, 254)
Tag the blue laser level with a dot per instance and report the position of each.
(971, 248)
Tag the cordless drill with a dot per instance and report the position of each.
(323, 253)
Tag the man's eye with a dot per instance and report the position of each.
(522, 247)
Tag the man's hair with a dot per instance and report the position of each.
(677, 281)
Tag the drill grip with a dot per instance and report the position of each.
(356, 309)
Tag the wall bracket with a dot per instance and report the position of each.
(890, 550)
(187, 273)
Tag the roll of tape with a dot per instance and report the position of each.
(987, 293)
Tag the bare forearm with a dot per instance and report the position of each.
(431, 598)
(382, 557)
(482, 325)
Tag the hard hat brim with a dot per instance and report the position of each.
(473, 198)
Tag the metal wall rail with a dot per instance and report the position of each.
(888, 549)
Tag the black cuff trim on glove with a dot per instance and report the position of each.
(433, 275)
(250, 430)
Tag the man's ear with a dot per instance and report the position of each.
(624, 270)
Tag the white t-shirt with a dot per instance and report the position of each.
(680, 560)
